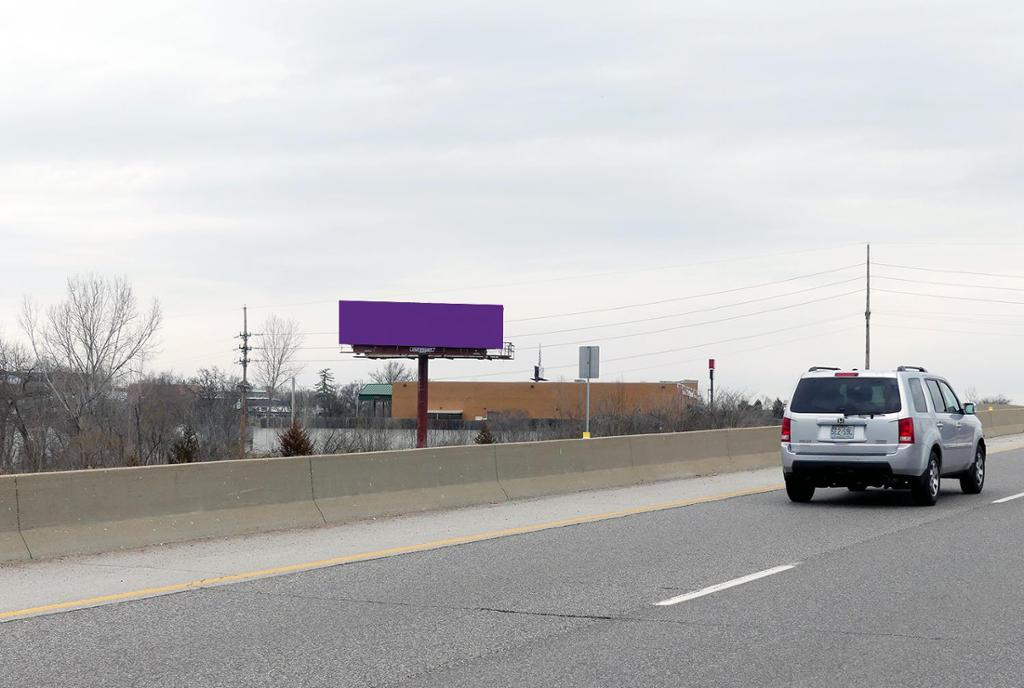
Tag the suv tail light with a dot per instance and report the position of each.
(906, 430)
(787, 429)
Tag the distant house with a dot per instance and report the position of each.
(375, 401)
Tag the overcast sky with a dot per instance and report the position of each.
(550, 156)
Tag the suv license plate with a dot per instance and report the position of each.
(842, 432)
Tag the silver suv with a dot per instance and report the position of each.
(864, 428)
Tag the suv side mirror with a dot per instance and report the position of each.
(969, 409)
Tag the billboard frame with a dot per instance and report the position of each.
(423, 354)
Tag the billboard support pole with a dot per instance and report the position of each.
(421, 401)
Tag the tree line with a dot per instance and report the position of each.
(75, 394)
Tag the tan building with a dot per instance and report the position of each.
(547, 400)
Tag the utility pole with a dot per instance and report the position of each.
(243, 387)
(293, 400)
(538, 370)
(867, 316)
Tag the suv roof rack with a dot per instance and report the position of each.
(904, 368)
(814, 369)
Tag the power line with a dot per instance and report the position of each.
(707, 322)
(940, 329)
(663, 301)
(725, 341)
(716, 261)
(749, 349)
(949, 243)
(994, 319)
(666, 329)
(955, 272)
(699, 310)
(949, 284)
(684, 298)
(955, 298)
(664, 351)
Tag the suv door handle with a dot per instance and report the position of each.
(958, 424)
(938, 423)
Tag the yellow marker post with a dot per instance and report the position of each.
(586, 434)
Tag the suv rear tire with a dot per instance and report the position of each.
(799, 490)
(973, 480)
(925, 489)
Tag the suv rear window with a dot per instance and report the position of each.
(853, 396)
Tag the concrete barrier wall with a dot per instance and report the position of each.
(563, 466)
(680, 455)
(751, 448)
(89, 511)
(11, 545)
(55, 514)
(1000, 422)
(349, 487)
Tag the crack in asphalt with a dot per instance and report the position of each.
(420, 605)
(598, 617)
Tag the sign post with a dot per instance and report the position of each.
(711, 374)
(590, 366)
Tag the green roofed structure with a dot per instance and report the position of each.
(375, 401)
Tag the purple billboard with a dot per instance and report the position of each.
(428, 325)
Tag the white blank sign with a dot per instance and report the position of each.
(590, 362)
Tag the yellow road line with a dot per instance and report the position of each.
(365, 556)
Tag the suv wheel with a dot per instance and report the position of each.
(925, 489)
(799, 490)
(973, 480)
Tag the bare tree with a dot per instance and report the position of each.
(90, 341)
(16, 374)
(279, 343)
(158, 406)
(215, 415)
(392, 372)
(348, 398)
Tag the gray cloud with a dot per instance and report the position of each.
(279, 153)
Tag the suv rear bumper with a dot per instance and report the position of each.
(826, 470)
(843, 473)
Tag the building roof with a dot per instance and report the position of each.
(374, 390)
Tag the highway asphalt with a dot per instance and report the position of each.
(880, 593)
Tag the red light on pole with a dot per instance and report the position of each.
(711, 375)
